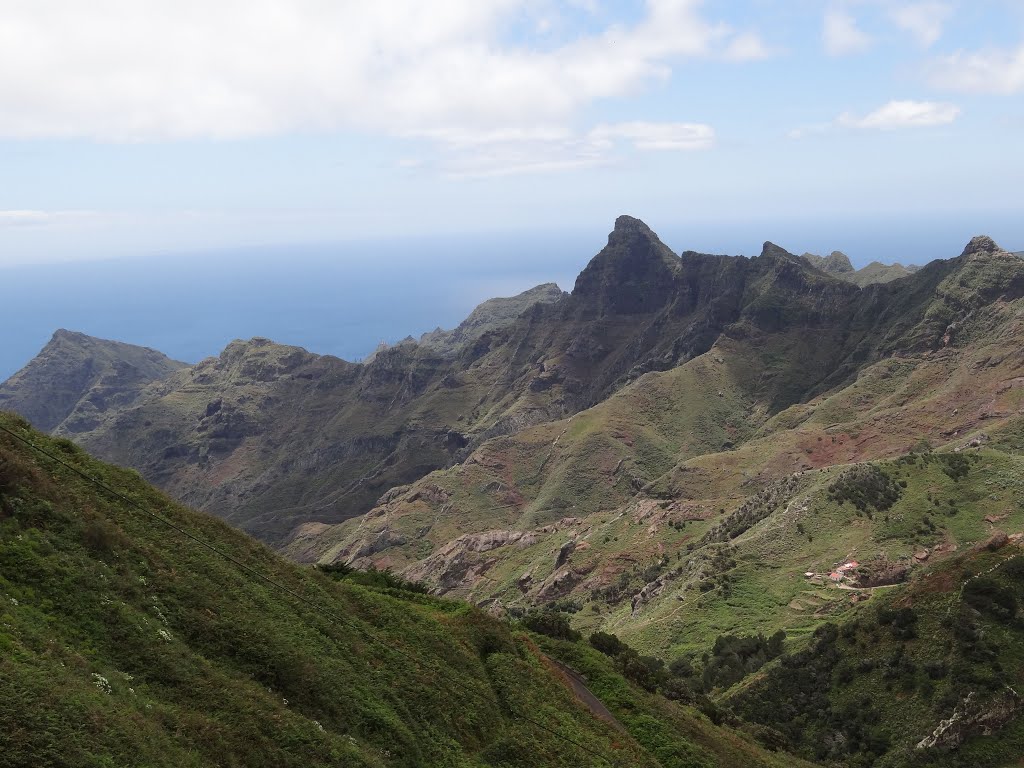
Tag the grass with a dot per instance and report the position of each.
(125, 644)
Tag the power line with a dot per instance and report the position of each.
(292, 593)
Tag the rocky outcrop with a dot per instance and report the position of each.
(973, 717)
(455, 565)
(361, 549)
(635, 273)
(649, 592)
(981, 246)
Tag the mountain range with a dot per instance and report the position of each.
(688, 452)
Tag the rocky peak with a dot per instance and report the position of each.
(836, 263)
(633, 274)
(776, 251)
(982, 245)
(839, 262)
(75, 337)
(77, 377)
(626, 225)
(260, 359)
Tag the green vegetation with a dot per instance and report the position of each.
(866, 487)
(869, 690)
(125, 643)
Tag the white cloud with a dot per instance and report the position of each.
(903, 114)
(809, 130)
(659, 136)
(126, 70)
(840, 34)
(924, 21)
(988, 71)
(895, 114)
(23, 218)
(509, 153)
(444, 71)
(747, 46)
(36, 218)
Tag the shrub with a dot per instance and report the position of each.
(865, 487)
(608, 644)
(552, 624)
(986, 595)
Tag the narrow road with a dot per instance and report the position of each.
(585, 695)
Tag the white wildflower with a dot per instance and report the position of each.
(164, 634)
(318, 726)
(13, 601)
(142, 580)
(102, 683)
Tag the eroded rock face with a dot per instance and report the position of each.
(454, 565)
(560, 583)
(363, 548)
(651, 590)
(633, 274)
(972, 717)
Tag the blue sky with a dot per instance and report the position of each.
(162, 127)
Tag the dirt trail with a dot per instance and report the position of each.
(585, 695)
(868, 589)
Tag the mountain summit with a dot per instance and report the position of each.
(633, 274)
(76, 379)
(983, 245)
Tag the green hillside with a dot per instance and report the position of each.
(134, 631)
(927, 676)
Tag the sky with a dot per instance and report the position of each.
(178, 131)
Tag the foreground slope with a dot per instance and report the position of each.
(125, 641)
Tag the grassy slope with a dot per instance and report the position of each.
(868, 693)
(124, 643)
